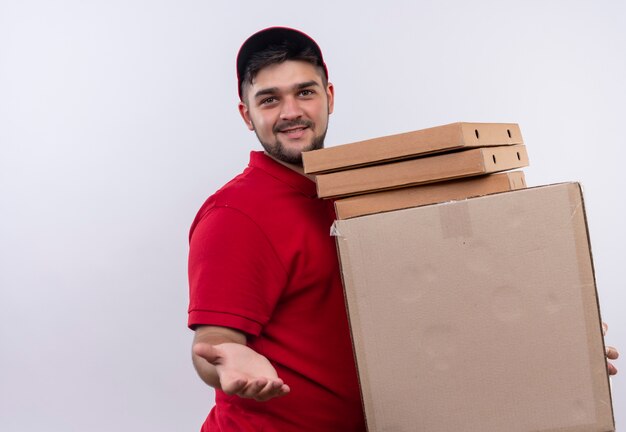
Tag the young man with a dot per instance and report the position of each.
(266, 301)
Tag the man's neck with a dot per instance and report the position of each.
(296, 168)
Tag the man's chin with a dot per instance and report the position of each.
(292, 156)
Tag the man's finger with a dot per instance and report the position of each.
(266, 392)
(257, 386)
(273, 389)
(611, 353)
(605, 328)
(612, 368)
(207, 352)
(252, 388)
(235, 386)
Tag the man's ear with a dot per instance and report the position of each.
(330, 92)
(245, 115)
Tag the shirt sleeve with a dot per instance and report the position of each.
(235, 275)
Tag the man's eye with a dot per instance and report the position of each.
(268, 100)
(306, 92)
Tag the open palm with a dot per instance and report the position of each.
(242, 371)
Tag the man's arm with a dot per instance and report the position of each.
(224, 361)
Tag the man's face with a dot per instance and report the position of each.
(287, 106)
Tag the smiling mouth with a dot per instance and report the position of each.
(293, 130)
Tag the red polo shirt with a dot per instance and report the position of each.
(262, 261)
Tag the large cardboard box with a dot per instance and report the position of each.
(444, 138)
(431, 193)
(429, 169)
(478, 315)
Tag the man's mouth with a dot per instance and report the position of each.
(293, 129)
(298, 130)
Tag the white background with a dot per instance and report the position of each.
(118, 118)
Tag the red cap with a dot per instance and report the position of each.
(293, 39)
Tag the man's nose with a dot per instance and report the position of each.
(290, 109)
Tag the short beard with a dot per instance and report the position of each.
(277, 150)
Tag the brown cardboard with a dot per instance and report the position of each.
(430, 169)
(431, 193)
(478, 315)
(410, 144)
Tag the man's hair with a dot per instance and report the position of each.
(276, 54)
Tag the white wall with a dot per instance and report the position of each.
(118, 118)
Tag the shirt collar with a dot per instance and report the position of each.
(282, 173)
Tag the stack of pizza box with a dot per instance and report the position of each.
(471, 297)
(444, 163)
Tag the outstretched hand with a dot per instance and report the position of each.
(242, 371)
(611, 352)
